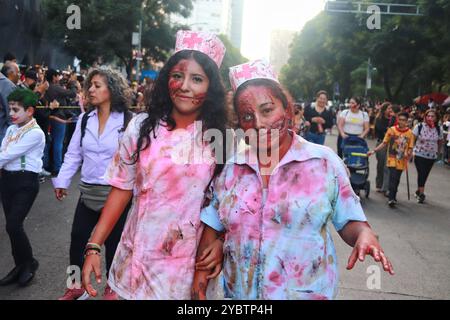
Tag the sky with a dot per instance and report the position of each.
(263, 16)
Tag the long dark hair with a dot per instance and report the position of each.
(383, 109)
(160, 105)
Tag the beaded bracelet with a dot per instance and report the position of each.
(91, 253)
(93, 245)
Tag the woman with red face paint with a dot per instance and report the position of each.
(429, 140)
(274, 212)
(156, 257)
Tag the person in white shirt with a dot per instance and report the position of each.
(20, 162)
(352, 122)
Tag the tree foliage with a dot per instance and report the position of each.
(233, 57)
(410, 54)
(107, 27)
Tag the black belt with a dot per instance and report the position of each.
(6, 172)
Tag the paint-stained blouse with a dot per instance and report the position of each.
(156, 254)
(278, 245)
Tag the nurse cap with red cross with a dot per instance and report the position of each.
(257, 69)
(205, 42)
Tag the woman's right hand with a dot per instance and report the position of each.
(344, 136)
(92, 264)
(60, 193)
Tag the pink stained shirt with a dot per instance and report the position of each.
(277, 242)
(156, 254)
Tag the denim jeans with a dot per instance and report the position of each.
(315, 138)
(58, 133)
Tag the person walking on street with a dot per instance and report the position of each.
(352, 122)
(320, 119)
(20, 164)
(93, 145)
(400, 142)
(429, 140)
(381, 127)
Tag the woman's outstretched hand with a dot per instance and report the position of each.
(367, 244)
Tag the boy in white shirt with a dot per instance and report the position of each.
(20, 162)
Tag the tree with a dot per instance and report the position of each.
(409, 53)
(107, 27)
(233, 57)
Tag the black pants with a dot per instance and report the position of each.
(394, 181)
(339, 145)
(423, 167)
(381, 167)
(83, 224)
(18, 192)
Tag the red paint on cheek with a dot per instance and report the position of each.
(174, 86)
(199, 99)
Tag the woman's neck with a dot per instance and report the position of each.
(321, 108)
(183, 121)
(282, 151)
(104, 110)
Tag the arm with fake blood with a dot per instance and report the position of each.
(209, 261)
(364, 241)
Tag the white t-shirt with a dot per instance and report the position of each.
(354, 122)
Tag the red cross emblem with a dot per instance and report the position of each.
(192, 40)
(246, 72)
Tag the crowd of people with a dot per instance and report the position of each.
(417, 133)
(259, 227)
(61, 99)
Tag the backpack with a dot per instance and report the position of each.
(128, 115)
(438, 128)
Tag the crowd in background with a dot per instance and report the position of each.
(61, 100)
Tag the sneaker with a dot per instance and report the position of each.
(421, 198)
(109, 294)
(41, 179)
(75, 294)
(392, 203)
(417, 194)
(45, 173)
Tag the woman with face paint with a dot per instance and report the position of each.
(275, 212)
(20, 163)
(156, 256)
(429, 139)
